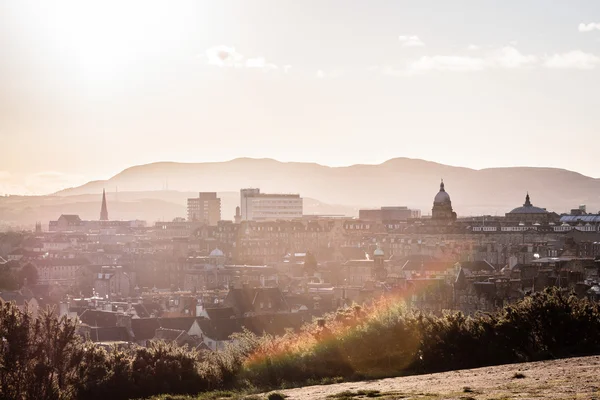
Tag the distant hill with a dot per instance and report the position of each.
(399, 181)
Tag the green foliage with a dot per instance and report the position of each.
(8, 280)
(28, 274)
(43, 358)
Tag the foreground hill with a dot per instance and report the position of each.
(557, 379)
(400, 181)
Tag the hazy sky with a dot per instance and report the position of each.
(90, 88)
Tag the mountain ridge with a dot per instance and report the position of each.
(397, 181)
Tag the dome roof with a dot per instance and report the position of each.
(528, 208)
(442, 196)
(216, 253)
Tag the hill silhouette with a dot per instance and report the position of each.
(399, 181)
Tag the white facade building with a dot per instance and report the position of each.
(257, 206)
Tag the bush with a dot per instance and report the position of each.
(43, 358)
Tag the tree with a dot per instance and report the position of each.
(310, 264)
(28, 274)
(8, 280)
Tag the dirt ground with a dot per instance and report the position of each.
(574, 378)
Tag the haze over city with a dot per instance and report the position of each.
(88, 89)
(299, 199)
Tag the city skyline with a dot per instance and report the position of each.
(467, 84)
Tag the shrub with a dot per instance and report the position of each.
(43, 358)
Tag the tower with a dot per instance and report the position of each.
(103, 210)
(442, 206)
(379, 270)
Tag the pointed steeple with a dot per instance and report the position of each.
(104, 209)
(527, 201)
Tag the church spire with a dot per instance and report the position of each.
(527, 201)
(104, 209)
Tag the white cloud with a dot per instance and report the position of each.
(576, 59)
(286, 68)
(259, 62)
(410, 41)
(589, 27)
(446, 63)
(227, 56)
(5, 175)
(224, 56)
(320, 74)
(510, 57)
(473, 47)
(505, 58)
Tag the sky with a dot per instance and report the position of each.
(88, 89)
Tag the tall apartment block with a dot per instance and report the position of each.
(204, 208)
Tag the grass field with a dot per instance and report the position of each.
(572, 378)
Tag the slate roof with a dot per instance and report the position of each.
(141, 311)
(179, 323)
(109, 334)
(247, 299)
(476, 266)
(72, 218)
(461, 280)
(169, 335)
(220, 313)
(144, 328)
(98, 318)
(14, 296)
(274, 324)
(427, 266)
(220, 329)
(60, 262)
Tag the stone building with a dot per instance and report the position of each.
(442, 207)
(529, 214)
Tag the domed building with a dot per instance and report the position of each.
(442, 206)
(216, 258)
(528, 213)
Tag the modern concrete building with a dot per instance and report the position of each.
(257, 206)
(205, 208)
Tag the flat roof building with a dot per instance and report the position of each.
(399, 213)
(257, 206)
